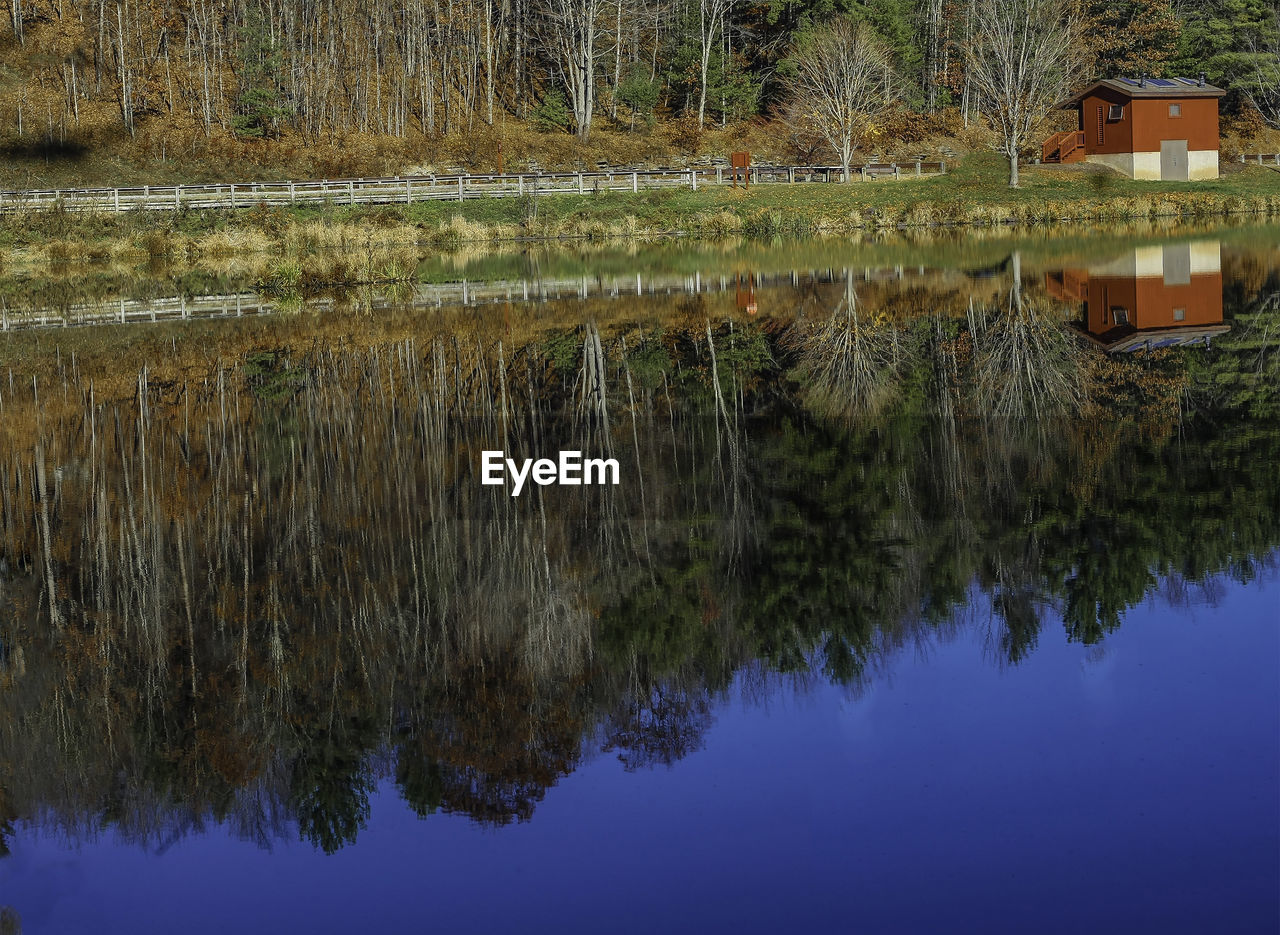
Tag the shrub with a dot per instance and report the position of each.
(552, 114)
(686, 135)
(640, 95)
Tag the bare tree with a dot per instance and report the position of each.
(711, 14)
(843, 82)
(935, 25)
(1022, 57)
(573, 26)
(1264, 90)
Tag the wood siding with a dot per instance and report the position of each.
(1116, 135)
(1150, 302)
(1146, 123)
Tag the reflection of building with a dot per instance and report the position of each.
(1149, 297)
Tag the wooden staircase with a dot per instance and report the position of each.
(1068, 285)
(1067, 146)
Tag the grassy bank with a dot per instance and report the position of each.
(974, 195)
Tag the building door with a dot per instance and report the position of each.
(1177, 264)
(1173, 160)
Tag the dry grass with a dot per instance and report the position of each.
(233, 241)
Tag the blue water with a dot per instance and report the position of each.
(269, 600)
(1132, 786)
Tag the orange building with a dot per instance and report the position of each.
(1145, 128)
(1149, 297)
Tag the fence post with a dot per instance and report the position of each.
(693, 179)
(896, 173)
(233, 196)
(351, 193)
(408, 191)
(719, 175)
(519, 184)
(942, 167)
(461, 190)
(580, 189)
(918, 172)
(635, 181)
(293, 196)
(116, 192)
(1259, 158)
(791, 175)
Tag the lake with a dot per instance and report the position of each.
(937, 591)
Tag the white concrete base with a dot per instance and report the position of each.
(1146, 166)
(1121, 162)
(1201, 164)
(1164, 262)
(1206, 256)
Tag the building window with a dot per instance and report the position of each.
(1099, 124)
(1179, 314)
(1175, 110)
(1115, 112)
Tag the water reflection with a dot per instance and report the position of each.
(1151, 297)
(745, 297)
(247, 595)
(784, 287)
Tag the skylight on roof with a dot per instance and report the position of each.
(1161, 82)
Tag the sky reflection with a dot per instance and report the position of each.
(1128, 789)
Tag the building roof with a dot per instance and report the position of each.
(1130, 339)
(1149, 87)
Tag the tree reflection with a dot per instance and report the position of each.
(251, 598)
(850, 361)
(10, 921)
(660, 728)
(329, 791)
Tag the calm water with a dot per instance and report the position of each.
(938, 593)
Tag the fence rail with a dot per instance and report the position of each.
(1262, 159)
(423, 296)
(408, 189)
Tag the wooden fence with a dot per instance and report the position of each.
(408, 189)
(1262, 159)
(423, 296)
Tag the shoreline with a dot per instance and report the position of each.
(970, 198)
(248, 261)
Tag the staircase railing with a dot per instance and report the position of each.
(1060, 146)
(1073, 142)
(1049, 150)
